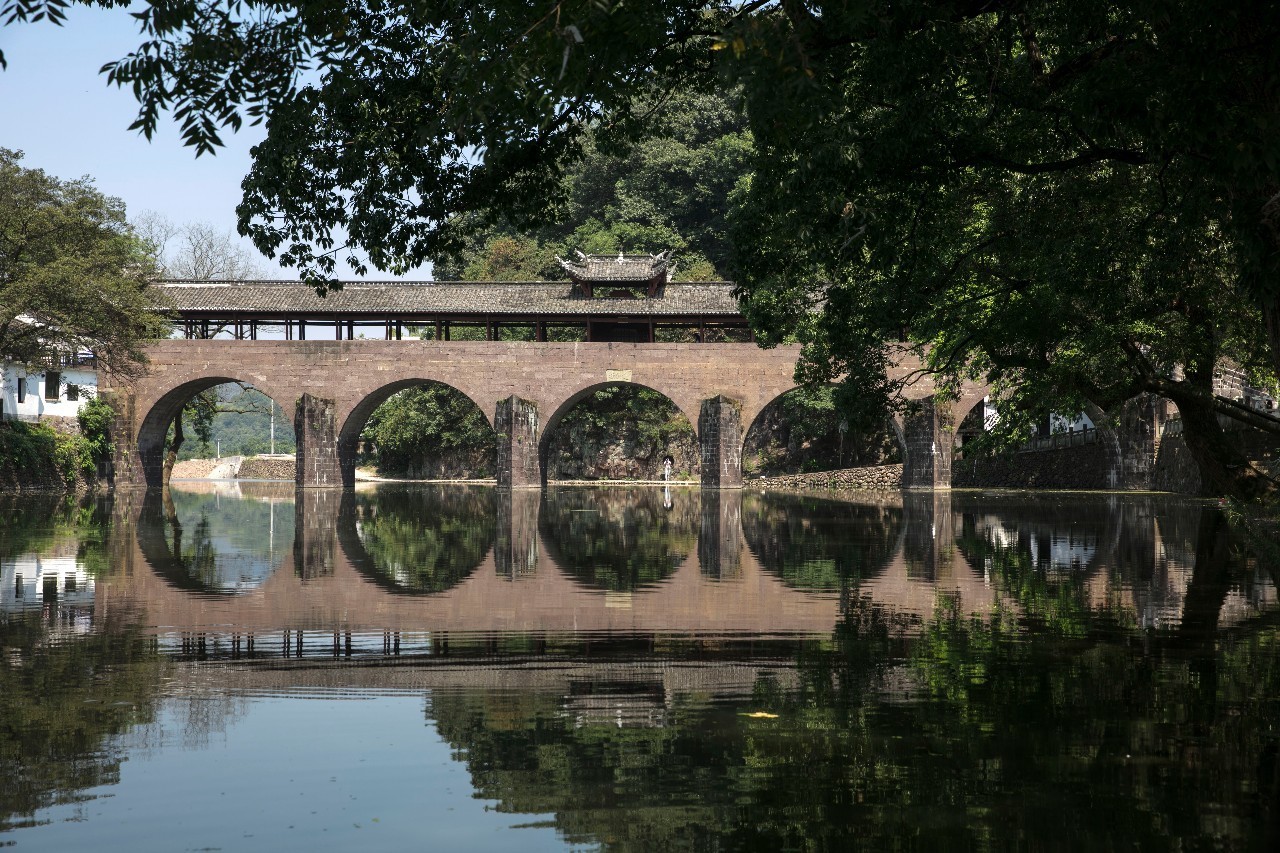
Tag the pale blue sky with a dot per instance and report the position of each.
(58, 110)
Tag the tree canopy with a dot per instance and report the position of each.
(1080, 199)
(72, 274)
(670, 190)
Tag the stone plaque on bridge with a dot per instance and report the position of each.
(617, 376)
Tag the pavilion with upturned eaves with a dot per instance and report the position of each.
(623, 298)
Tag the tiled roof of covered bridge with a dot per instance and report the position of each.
(390, 298)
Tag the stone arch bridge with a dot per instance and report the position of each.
(524, 388)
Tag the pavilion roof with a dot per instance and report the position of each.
(610, 269)
(528, 299)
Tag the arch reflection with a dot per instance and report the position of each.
(820, 545)
(201, 542)
(619, 540)
(418, 540)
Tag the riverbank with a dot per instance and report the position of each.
(37, 458)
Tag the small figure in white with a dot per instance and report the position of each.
(666, 469)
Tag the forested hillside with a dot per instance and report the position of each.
(240, 425)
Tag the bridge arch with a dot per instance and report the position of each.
(772, 409)
(160, 414)
(617, 541)
(829, 547)
(358, 416)
(551, 424)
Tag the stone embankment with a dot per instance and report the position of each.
(268, 468)
(252, 468)
(194, 469)
(874, 477)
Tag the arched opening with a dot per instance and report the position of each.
(209, 419)
(973, 429)
(418, 429)
(418, 540)
(806, 430)
(619, 540)
(201, 541)
(819, 545)
(619, 431)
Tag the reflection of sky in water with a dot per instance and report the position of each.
(232, 545)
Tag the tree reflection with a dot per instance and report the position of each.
(64, 698)
(619, 540)
(205, 543)
(419, 539)
(962, 734)
(820, 545)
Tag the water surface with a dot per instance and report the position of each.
(240, 667)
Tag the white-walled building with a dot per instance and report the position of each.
(32, 394)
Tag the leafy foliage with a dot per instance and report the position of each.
(95, 417)
(72, 274)
(1080, 201)
(670, 190)
(38, 455)
(639, 425)
(431, 431)
(235, 419)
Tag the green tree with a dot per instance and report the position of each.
(1078, 199)
(431, 431)
(671, 189)
(1027, 192)
(73, 277)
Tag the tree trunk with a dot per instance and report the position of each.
(171, 454)
(1223, 468)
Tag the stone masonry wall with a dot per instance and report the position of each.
(848, 479)
(1086, 466)
(259, 468)
(720, 434)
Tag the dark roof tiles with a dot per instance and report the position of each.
(392, 298)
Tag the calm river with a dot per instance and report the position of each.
(233, 667)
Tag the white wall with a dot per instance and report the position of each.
(35, 406)
(1069, 423)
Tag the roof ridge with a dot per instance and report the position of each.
(216, 282)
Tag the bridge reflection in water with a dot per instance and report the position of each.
(262, 568)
